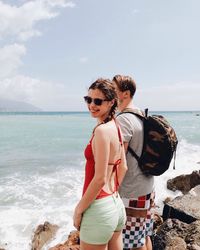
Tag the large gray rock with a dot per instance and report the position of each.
(176, 235)
(185, 208)
(184, 182)
(42, 235)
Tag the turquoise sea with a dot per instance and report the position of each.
(42, 168)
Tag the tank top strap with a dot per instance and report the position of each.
(119, 133)
(115, 170)
(94, 131)
(91, 138)
(117, 162)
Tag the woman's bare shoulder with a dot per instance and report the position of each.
(104, 129)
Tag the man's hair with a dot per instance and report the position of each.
(125, 83)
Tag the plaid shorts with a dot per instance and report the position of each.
(137, 228)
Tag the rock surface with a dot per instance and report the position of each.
(158, 221)
(185, 208)
(42, 235)
(174, 234)
(181, 228)
(176, 243)
(184, 182)
(72, 242)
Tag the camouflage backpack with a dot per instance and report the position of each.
(159, 144)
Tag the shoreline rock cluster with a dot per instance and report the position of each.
(181, 215)
(178, 228)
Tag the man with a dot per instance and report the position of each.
(136, 189)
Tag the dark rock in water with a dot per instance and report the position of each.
(184, 182)
(176, 235)
(185, 208)
(42, 235)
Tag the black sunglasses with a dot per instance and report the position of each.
(96, 101)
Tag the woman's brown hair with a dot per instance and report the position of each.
(107, 88)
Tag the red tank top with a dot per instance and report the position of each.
(90, 169)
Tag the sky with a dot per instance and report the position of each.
(52, 50)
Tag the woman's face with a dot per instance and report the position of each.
(100, 112)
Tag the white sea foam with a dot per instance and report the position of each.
(37, 199)
(187, 158)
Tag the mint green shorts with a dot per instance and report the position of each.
(103, 217)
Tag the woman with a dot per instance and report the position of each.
(100, 214)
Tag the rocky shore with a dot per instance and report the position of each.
(180, 229)
(177, 228)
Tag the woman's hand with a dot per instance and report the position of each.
(77, 218)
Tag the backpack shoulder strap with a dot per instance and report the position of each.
(142, 116)
(133, 153)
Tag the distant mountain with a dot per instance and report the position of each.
(16, 106)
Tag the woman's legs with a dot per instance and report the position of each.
(147, 246)
(86, 246)
(115, 242)
(148, 243)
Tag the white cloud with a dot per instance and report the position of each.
(135, 11)
(10, 59)
(19, 22)
(46, 95)
(177, 96)
(61, 3)
(83, 59)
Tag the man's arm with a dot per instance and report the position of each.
(126, 146)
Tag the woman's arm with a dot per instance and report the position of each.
(101, 151)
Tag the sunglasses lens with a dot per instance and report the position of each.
(98, 101)
(88, 99)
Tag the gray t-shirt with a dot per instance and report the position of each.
(135, 183)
